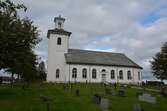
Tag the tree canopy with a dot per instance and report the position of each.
(159, 63)
(18, 38)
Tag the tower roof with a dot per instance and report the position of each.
(59, 18)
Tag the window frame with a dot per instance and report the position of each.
(74, 73)
(112, 72)
(129, 75)
(94, 72)
(121, 75)
(57, 73)
(59, 41)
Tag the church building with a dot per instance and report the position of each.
(78, 65)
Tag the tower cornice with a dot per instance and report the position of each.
(58, 31)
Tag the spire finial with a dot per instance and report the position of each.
(59, 22)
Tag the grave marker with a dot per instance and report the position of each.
(104, 104)
(147, 98)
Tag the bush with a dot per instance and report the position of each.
(154, 83)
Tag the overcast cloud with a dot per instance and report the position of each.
(137, 28)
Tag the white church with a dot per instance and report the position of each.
(77, 65)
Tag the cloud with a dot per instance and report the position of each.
(134, 27)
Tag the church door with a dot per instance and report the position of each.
(103, 77)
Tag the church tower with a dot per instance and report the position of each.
(58, 45)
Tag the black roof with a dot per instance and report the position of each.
(77, 56)
(58, 31)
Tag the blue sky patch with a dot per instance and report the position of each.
(150, 19)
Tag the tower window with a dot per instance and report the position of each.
(57, 73)
(59, 25)
(59, 41)
(94, 73)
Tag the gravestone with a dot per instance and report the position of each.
(121, 92)
(114, 93)
(104, 104)
(137, 107)
(46, 100)
(96, 99)
(77, 93)
(147, 98)
(138, 94)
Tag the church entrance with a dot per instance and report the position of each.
(103, 77)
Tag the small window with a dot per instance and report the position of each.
(59, 25)
(74, 73)
(59, 41)
(112, 74)
(103, 70)
(139, 76)
(94, 73)
(57, 73)
(129, 77)
(121, 74)
(84, 73)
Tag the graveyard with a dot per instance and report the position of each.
(79, 97)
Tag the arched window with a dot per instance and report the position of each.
(112, 74)
(59, 41)
(84, 73)
(74, 73)
(103, 70)
(121, 74)
(94, 73)
(129, 75)
(139, 76)
(57, 73)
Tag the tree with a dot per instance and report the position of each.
(42, 71)
(159, 63)
(18, 38)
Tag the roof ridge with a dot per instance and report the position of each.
(97, 51)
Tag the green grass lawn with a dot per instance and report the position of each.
(17, 99)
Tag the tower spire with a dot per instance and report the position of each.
(59, 22)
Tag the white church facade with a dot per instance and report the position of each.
(76, 65)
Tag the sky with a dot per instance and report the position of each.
(137, 28)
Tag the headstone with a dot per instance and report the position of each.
(138, 94)
(104, 104)
(147, 98)
(137, 107)
(121, 92)
(96, 99)
(114, 93)
(46, 100)
(77, 93)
